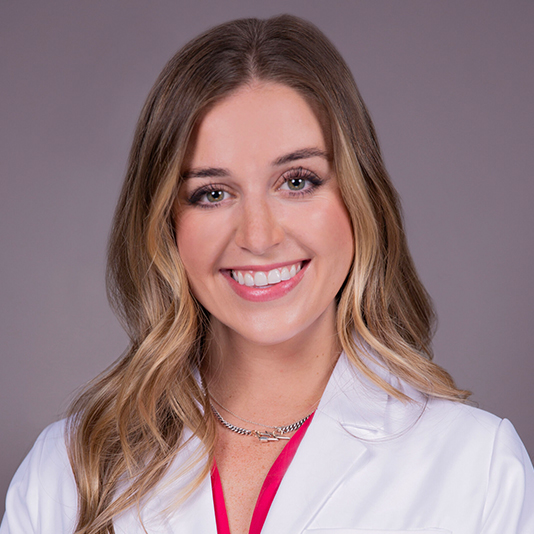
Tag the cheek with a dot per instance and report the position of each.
(194, 243)
(341, 245)
(341, 220)
(185, 240)
(333, 229)
(201, 239)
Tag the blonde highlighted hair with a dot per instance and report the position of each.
(128, 425)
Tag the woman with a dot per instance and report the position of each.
(280, 375)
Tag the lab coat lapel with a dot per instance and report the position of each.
(310, 480)
(196, 513)
(350, 408)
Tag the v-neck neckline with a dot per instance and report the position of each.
(268, 490)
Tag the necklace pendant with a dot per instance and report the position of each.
(266, 437)
(278, 437)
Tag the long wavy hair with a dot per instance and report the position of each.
(129, 424)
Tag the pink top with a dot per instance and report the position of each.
(268, 490)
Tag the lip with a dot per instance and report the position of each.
(266, 293)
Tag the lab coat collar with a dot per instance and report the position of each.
(352, 400)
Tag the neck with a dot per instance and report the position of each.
(273, 383)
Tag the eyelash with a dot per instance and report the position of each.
(292, 174)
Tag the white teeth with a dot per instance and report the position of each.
(260, 279)
(263, 278)
(274, 276)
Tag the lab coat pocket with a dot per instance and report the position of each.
(374, 531)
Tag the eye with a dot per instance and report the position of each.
(215, 196)
(208, 196)
(296, 184)
(301, 181)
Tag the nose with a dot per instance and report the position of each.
(259, 227)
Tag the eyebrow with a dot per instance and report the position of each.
(208, 172)
(303, 153)
(219, 172)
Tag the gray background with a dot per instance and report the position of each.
(449, 84)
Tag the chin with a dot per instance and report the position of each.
(266, 335)
(275, 329)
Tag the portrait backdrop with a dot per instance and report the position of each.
(449, 86)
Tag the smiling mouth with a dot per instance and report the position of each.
(266, 278)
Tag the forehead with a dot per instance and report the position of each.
(258, 122)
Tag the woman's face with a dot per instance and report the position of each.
(261, 228)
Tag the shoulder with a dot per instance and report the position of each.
(464, 432)
(467, 425)
(42, 496)
(469, 430)
(483, 452)
(458, 417)
(49, 453)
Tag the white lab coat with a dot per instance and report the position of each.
(367, 464)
